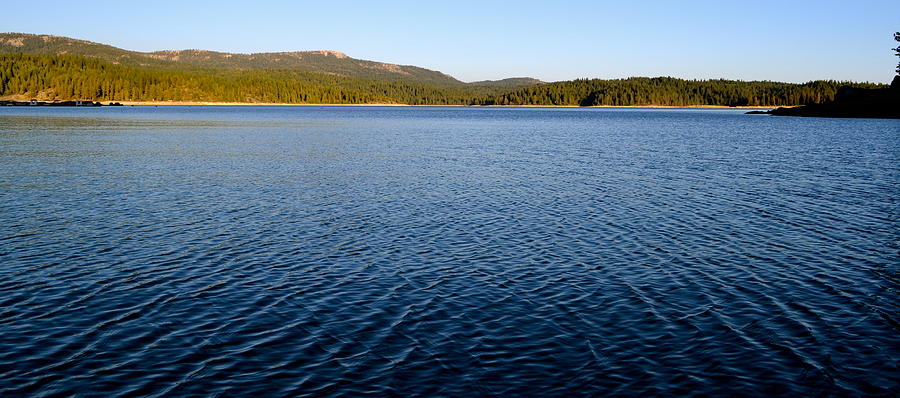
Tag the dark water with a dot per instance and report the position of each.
(447, 252)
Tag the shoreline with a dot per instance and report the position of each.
(211, 103)
(201, 103)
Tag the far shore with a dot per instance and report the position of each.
(194, 103)
(22, 98)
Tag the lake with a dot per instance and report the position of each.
(345, 251)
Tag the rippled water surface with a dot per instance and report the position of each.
(307, 251)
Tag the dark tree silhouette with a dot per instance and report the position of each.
(897, 50)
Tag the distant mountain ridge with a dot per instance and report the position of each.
(320, 61)
(511, 82)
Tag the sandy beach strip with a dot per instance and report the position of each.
(194, 103)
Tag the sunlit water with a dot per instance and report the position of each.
(306, 251)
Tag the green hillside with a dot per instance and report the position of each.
(64, 77)
(670, 91)
(58, 68)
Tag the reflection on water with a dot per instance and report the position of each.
(446, 251)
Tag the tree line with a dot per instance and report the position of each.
(672, 92)
(75, 77)
(66, 77)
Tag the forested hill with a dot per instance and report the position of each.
(672, 92)
(324, 61)
(66, 77)
(57, 68)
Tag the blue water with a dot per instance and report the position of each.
(309, 251)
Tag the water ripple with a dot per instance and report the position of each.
(446, 252)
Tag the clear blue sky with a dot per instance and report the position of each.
(781, 40)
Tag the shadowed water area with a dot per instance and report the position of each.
(308, 251)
